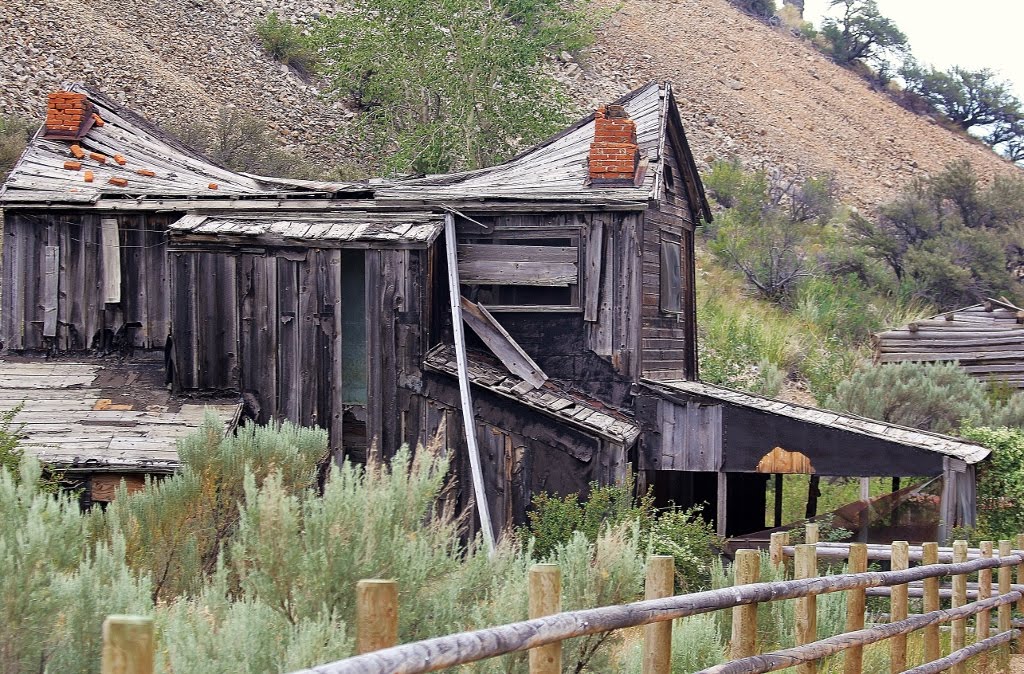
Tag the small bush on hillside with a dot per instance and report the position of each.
(932, 397)
(15, 133)
(285, 42)
(764, 9)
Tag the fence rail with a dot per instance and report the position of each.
(547, 628)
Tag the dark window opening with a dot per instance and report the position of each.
(671, 281)
(353, 327)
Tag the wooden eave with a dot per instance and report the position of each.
(839, 444)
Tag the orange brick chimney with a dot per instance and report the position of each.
(614, 154)
(68, 115)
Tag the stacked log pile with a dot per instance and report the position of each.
(986, 339)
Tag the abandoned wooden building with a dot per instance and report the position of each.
(986, 340)
(344, 305)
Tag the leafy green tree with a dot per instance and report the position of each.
(1000, 481)
(450, 85)
(969, 98)
(862, 34)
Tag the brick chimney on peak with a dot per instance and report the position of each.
(614, 154)
(68, 115)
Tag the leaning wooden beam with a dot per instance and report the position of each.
(791, 657)
(501, 344)
(439, 653)
(964, 654)
(468, 418)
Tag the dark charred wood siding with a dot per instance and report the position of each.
(523, 452)
(73, 286)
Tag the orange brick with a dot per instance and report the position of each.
(212, 186)
(120, 182)
(145, 172)
(77, 151)
(101, 158)
(73, 165)
(119, 158)
(88, 176)
(97, 119)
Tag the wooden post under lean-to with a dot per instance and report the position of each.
(657, 650)
(932, 645)
(959, 636)
(128, 645)
(376, 615)
(806, 614)
(743, 644)
(855, 605)
(983, 621)
(900, 561)
(545, 599)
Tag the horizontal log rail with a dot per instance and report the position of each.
(791, 657)
(449, 651)
(964, 654)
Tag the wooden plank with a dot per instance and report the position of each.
(509, 252)
(103, 486)
(50, 291)
(501, 343)
(374, 338)
(505, 272)
(111, 247)
(289, 367)
(592, 293)
(464, 391)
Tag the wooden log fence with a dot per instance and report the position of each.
(547, 627)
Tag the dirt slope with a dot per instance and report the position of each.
(745, 89)
(759, 93)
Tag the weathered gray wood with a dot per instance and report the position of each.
(592, 293)
(505, 272)
(111, 247)
(50, 292)
(965, 654)
(465, 394)
(802, 655)
(501, 343)
(449, 651)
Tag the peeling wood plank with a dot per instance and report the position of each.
(501, 343)
(592, 292)
(111, 247)
(50, 292)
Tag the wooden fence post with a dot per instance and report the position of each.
(128, 645)
(855, 603)
(811, 533)
(1020, 581)
(983, 621)
(545, 599)
(744, 618)
(376, 615)
(1005, 579)
(806, 613)
(932, 645)
(657, 651)
(899, 561)
(958, 638)
(779, 540)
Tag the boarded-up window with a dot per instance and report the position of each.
(520, 273)
(671, 283)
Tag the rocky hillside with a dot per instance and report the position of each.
(745, 89)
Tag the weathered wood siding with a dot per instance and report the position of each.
(680, 436)
(523, 452)
(597, 342)
(669, 339)
(269, 324)
(57, 278)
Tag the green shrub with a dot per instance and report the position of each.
(285, 42)
(15, 133)
(932, 397)
(1000, 482)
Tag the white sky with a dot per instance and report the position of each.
(975, 34)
